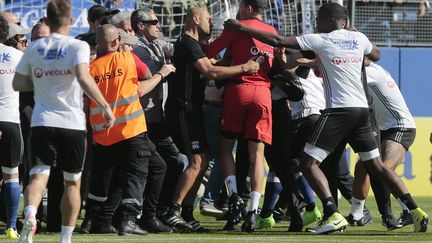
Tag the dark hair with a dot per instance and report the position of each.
(13, 41)
(334, 10)
(43, 20)
(95, 12)
(4, 29)
(58, 12)
(257, 5)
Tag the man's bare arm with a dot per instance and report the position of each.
(219, 72)
(266, 37)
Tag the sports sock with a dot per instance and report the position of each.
(408, 201)
(254, 201)
(11, 190)
(231, 184)
(187, 213)
(30, 212)
(174, 207)
(305, 188)
(357, 206)
(329, 207)
(66, 234)
(271, 196)
(403, 206)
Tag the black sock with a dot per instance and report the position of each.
(187, 213)
(329, 207)
(266, 213)
(310, 206)
(175, 207)
(409, 201)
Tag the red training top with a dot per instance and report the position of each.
(244, 48)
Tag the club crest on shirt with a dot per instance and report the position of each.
(346, 44)
(195, 144)
(4, 57)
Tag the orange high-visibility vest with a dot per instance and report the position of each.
(116, 76)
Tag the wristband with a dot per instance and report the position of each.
(162, 77)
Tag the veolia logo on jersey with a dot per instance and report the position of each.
(39, 72)
(254, 50)
(344, 60)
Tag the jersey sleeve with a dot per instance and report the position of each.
(310, 42)
(222, 42)
(365, 43)
(195, 49)
(141, 67)
(23, 66)
(81, 53)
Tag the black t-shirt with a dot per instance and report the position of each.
(185, 86)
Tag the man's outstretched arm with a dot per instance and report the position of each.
(266, 37)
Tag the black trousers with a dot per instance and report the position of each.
(130, 157)
(173, 163)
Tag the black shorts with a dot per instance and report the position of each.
(58, 147)
(339, 124)
(301, 131)
(187, 131)
(11, 144)
(404, 136)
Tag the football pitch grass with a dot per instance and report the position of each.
(374, 232)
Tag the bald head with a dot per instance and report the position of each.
(194, 12)
(199, 20)
(10, 17)
(106, 37)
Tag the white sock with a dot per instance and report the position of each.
(231, 184)
(357, 206)
(403, 206)
(66, 234)
(254, 201)
(30, 212)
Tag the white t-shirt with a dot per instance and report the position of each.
(58, 96)
(388, 103)
(9, 98)
(340, 58)
(313, 99)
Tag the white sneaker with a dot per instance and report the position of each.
(335, 223)
(28, 231)
(210, 210)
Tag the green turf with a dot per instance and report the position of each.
(370, 233)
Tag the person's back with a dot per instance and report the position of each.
(340, 55)
(9, 99)
(58, 95)
(388, 103)
(119, 85)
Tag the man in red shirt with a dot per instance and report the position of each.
(247, 108)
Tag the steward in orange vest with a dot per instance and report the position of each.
(121, 78)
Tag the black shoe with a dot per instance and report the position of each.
(175, 220)
(154, 225)
(389, 221)
(249, 223)
(102, 228)
(366, 219)
(197, 227)
(129, 227)
(235, 207)
(405, 218)
(85, 227)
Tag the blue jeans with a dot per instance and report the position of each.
(212, 116)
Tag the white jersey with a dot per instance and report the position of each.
(340, 58)
(313, 99)
(9, 98)
(388, 103)
(58, 96)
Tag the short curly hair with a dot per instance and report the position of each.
(13, 41)
(4, 29)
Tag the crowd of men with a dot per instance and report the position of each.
(112, 112)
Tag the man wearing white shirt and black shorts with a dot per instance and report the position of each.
(57, 68)
(340, 58)
(11, 141)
